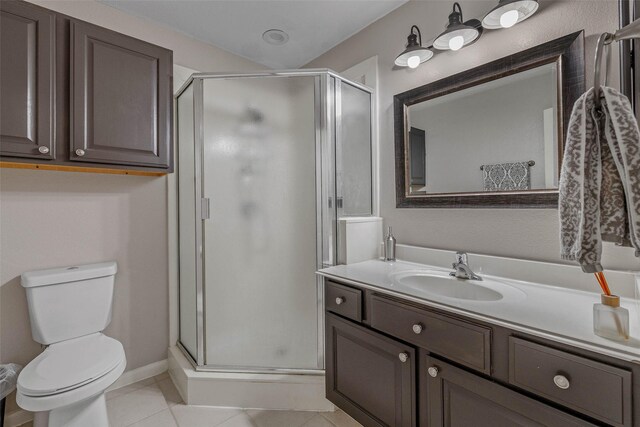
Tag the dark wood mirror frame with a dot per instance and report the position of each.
(567, 51)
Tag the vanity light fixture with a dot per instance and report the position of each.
(509, 13)
(458, 33)
(414, 54)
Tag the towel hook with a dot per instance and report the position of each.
(604, 39)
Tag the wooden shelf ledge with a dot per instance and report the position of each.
(64, 168)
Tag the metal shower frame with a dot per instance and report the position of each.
(327, 90)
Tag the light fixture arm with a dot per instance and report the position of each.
(456, 4)
(419, 34)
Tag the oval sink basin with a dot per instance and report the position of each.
(450, 288)
(440, 284)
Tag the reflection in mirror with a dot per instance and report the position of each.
(498, 136)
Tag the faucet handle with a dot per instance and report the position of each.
(461, 257)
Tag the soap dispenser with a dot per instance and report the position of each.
(389, 246)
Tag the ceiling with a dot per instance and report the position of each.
(313, 26)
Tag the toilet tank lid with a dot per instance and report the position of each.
(68, 274)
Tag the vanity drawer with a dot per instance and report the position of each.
(592, 388)
(457, 340)
(343, 300)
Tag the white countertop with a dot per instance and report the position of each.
(556, 313)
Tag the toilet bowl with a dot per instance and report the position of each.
(65, 384)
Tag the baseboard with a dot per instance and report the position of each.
(21, 416)
(139, 374)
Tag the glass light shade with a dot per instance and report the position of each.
(456, 43)
(504, 13)
(509, 18)
(406, 58)
(467, 33)
(413, 61)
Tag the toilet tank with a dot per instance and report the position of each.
(69, 302)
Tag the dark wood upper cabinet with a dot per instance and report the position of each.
(27, 86)
(74, 95)
(121, 92)
(370, 376)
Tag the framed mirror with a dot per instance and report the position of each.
(491, 136)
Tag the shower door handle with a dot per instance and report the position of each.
(205, 209)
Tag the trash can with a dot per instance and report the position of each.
(8, 380)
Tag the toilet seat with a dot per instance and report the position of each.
(70, 364)
(91, 382)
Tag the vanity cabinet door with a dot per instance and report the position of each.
(120, 99)
(370, 376)
(456, 398)
(27, 54)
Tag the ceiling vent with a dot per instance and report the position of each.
(275, 37)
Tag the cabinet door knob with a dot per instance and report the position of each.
(80, 152)
(561, 381)
(403, 357)
(340, 300)
(417, 328)
(433, 371)
(43, 150)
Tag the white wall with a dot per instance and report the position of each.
(517, 233)
(50, 219)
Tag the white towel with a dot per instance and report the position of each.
(600, 180)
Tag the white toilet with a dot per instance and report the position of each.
(68, 308)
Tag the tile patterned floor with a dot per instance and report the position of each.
(155, 402)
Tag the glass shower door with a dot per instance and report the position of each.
(260, 248)
(354, 179)
(187, 222)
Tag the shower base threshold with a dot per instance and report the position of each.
(275, 391)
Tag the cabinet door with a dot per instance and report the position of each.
(121, 92)
(27, 53)
(456, 398)
(369, 376)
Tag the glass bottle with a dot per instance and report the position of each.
(610, 320)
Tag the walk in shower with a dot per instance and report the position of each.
(266, 163)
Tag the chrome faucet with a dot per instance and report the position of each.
(462, 269)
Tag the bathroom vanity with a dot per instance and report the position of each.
(398, 355)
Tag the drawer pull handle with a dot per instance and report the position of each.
(403, 357)
(561, 381)
(417, 328)
(43, 150)
(80, 152)
(433, 371)
(340, 300)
